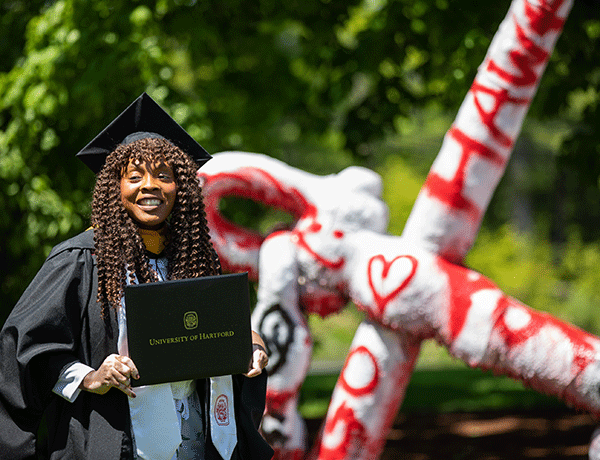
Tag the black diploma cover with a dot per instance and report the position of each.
(189, 329)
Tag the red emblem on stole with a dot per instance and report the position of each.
(222, 410)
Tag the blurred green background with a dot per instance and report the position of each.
(321, 85)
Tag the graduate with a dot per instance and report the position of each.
(63, 349)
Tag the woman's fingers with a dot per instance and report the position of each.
(259, 362)
(131, 369)
(115, 371)
(262, 359)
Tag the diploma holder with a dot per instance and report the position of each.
(189, 329)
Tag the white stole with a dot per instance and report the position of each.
(222, 416)
(154, 422)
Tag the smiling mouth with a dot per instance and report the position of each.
(149, 202)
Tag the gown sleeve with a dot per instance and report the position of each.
(42, 336)
(69, 380)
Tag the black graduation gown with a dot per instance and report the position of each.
(57, 322)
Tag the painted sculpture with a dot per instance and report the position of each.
(413, 287)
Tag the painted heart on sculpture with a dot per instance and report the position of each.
(388, 278)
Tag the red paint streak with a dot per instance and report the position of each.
(287, 454)
(300, 240)
(237, 268)
(370, 386)
(354, 436)
(461, 288)
(579, 339)
(323, 302)
(254, 184)
(220, 185)
(472, 147)
(338, 234)
(461, 292)
(276, 401)
(513, 337)
(501, 97)
(524, 60)
(543, 18)
(314, 227)
(450, 192)
(382, 299)
(262, 187)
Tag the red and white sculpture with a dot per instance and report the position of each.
(413, 287)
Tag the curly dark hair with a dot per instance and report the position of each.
(119, 246)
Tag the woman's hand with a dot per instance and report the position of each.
(116, 371)
(259, 356)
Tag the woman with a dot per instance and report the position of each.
(64, 346)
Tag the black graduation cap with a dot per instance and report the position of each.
(143, 118)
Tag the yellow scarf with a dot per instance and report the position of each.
(155, 241)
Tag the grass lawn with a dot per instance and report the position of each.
(439, 390)
(440, 382)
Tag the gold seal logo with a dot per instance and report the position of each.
(190, 320)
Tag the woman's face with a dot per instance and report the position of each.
(148, 192)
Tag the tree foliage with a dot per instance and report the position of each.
(316, 83)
